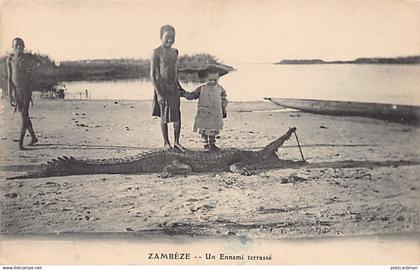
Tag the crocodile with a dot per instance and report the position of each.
(170, 162)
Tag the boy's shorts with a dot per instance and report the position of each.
(169, 110)
(170, 113)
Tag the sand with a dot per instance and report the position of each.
(332, 196)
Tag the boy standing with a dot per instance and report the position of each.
(167, 89)
(20, 69)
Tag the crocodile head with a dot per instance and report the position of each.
(272, 147)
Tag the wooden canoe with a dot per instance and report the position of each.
(390, 112)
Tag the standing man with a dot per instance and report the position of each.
(20, 69)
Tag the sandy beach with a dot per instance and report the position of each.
(362, 176)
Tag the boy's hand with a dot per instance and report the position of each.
(12, 93)
(12, 101)
(188, 96)
(160, 99)
(182, 92)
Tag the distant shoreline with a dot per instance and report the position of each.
(410, 60)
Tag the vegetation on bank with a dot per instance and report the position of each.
(397, 60)
(103, 70)
(123, 69)
(300, 62)
(188, 65)
(49, 74)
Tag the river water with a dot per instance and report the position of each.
(398, 84)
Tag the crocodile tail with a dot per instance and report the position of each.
(57, 167)
(274, 145)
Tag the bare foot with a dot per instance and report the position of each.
(21, 147)
(33, 141)
(179, 147)
(167, 146)
(214, 148)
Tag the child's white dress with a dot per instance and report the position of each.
(211, 104)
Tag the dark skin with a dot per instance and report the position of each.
(19, 88)
(168, 40)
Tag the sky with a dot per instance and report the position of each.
(234, 31)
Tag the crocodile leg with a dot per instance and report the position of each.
(175, 167)
(240, 168)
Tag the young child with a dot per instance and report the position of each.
(211, 107)
(20, 69)
(167, 89)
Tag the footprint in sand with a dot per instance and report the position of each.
(11, 195)
(51, 184)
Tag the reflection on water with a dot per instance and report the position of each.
(374, 83)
